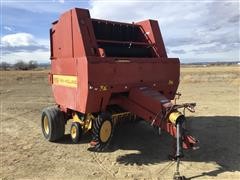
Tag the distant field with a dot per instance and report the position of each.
(211, 74)
(188, 74)
(137, 151)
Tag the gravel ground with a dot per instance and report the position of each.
(137, 151)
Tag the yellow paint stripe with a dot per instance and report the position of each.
(63, 80)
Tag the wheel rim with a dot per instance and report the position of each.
(46, 125)
(73, 132)
(105, 131)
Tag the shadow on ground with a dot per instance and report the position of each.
(218, 136)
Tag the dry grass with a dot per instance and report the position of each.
(229, 74)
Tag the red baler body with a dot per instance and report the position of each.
(98, 63)
(77, 42)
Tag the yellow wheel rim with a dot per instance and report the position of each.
(73, 132)
(105, 131)
(46, 125)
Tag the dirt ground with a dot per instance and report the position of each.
(137, 152)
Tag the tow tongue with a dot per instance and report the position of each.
(153, 106)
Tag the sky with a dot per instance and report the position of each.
(193, 30)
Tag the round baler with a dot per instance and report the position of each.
(104, 71)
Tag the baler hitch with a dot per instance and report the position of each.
(176, 128)
(183, 139)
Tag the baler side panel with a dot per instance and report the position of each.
(84, 46)
(65, 96)
(82, 93)
(84, 39)
(72, 41)
(152, 30)
(62, 37)
(62, 61)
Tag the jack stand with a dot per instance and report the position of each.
(179, 153)
(177, 175)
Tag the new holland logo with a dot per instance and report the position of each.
(63, 80)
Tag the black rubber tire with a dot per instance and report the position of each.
(97, 124)
(78, 132)
(56, 122)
